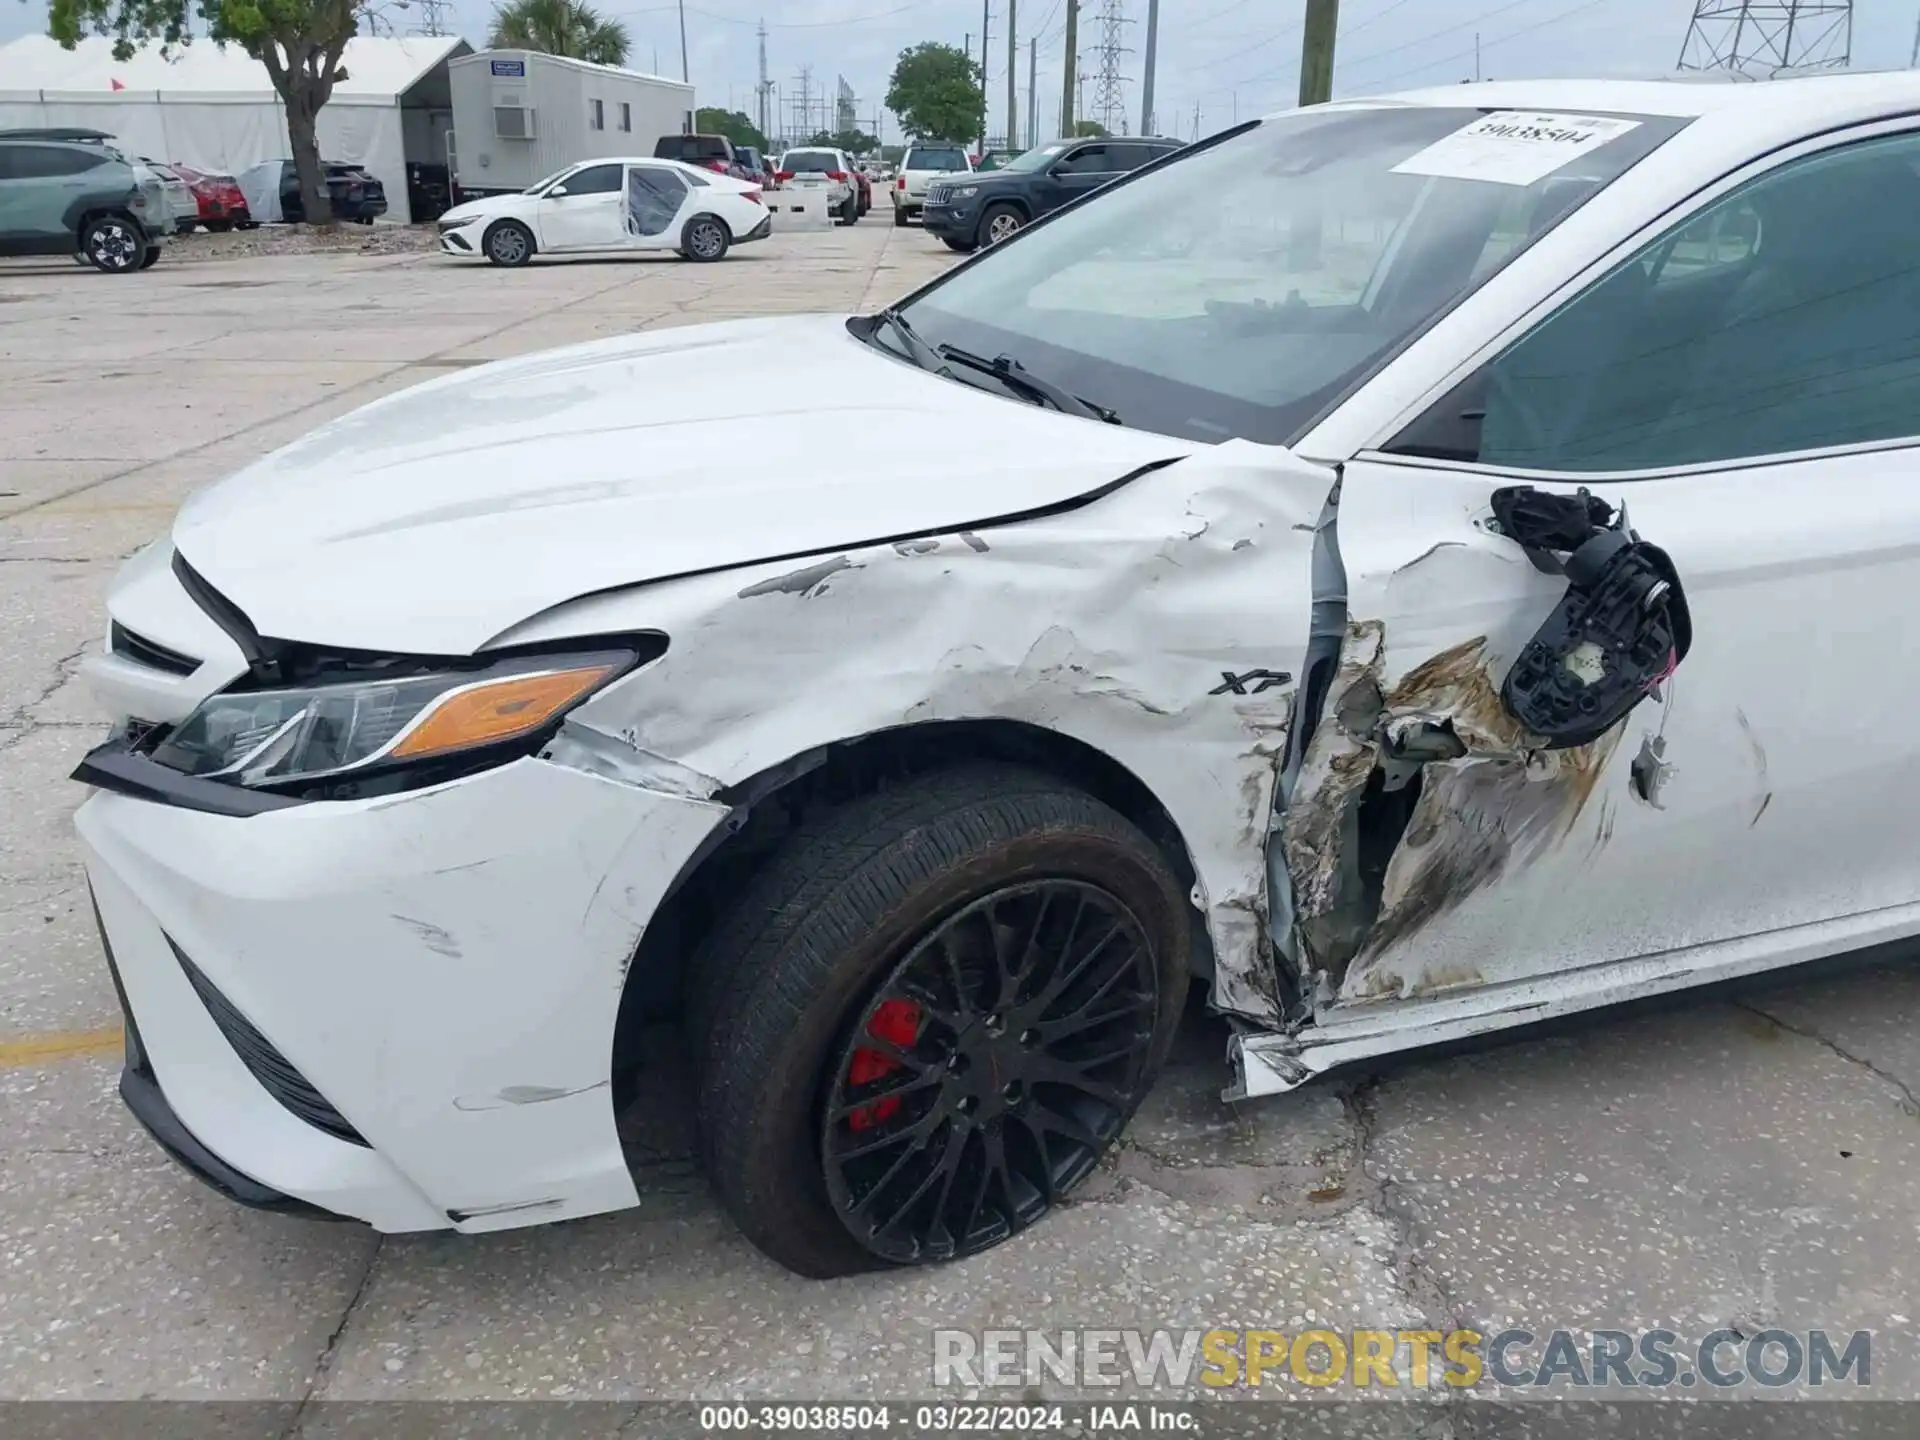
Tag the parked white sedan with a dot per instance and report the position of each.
(1279, 628)
(611, 207)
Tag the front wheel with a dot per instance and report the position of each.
(706, 239)
(508, 243)
(929, 1016)
(1000, 222)
(111, 244)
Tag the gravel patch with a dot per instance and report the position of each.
(307, 240)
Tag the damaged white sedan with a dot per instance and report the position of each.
(1405, 566)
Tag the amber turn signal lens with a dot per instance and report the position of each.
(497, 710)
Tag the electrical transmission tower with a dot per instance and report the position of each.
(1109, 104)
(433, 15)
(1755, 39)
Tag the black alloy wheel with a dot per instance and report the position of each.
(992, 1068)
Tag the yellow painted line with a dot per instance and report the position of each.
(59, 1045)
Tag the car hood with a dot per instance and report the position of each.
(434, 519)
(485, 205)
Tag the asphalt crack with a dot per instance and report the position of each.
(1388, 1199)
(324, 1365)
(1908, 1102)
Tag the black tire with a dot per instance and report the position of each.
(113, 244)
(965, 247)
(1000, 222)
(899, 217)
(850, 210)
(218, 227)
(792, 981)
(150, 259)
(706, 239)
(508, 243)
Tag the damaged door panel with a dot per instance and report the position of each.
(1164, 624)
(1434, 843)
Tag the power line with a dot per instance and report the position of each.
(1497, 40)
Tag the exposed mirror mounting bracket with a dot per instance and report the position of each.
(1619, 631)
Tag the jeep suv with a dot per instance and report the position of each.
(968, 211)
(78, 197)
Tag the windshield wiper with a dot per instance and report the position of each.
(918, 351)
(1015, 376)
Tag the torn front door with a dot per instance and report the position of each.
(1770, 786)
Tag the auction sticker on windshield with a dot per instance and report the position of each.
(1513, 147)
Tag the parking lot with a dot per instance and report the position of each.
(1744, 1160)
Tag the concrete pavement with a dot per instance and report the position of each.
(1744, 1161)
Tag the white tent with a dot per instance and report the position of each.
(214, 108)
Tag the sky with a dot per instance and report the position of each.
(1219, 60)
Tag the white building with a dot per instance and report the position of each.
(519, 115)
(215, 109)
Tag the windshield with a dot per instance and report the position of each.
(1241, 290)
(1037, 159)
(920, 158)
(535, 189)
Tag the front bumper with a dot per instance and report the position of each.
(463, 239)
(951, 222)
(439, 971)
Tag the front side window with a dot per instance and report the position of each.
(1091, 160)
(594, 180)
(1784, 317)
(1247, 286)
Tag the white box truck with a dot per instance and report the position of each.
(519, 115)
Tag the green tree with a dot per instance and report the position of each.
(936, 91)
(854, 142)
(559, 27)
(299, 41)
(1089, 127)
(711, 120)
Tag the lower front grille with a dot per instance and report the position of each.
(273, 1070)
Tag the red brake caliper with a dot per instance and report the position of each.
(898, 1023)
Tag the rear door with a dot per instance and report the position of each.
(1745, 381)
(657, 203)
(586, 210)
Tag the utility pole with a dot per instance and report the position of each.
(1033, 80)
(1012, 141)
(681, 6)
(986, 19)
(764, 88)
(1755, 39)
(1914, 62)
(1316, 51)
(1072, 66)
(1146, 73)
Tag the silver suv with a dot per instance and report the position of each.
(918, 167)
(69, 193)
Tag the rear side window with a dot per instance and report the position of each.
(45, 162)
(932, 157)
(810, 162)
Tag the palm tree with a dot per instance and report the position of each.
(559, 27)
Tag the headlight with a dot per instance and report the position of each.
(277, 737)
(965, 192)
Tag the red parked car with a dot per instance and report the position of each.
(222, 206)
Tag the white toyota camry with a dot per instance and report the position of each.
(611, 207)
(1404, 567)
